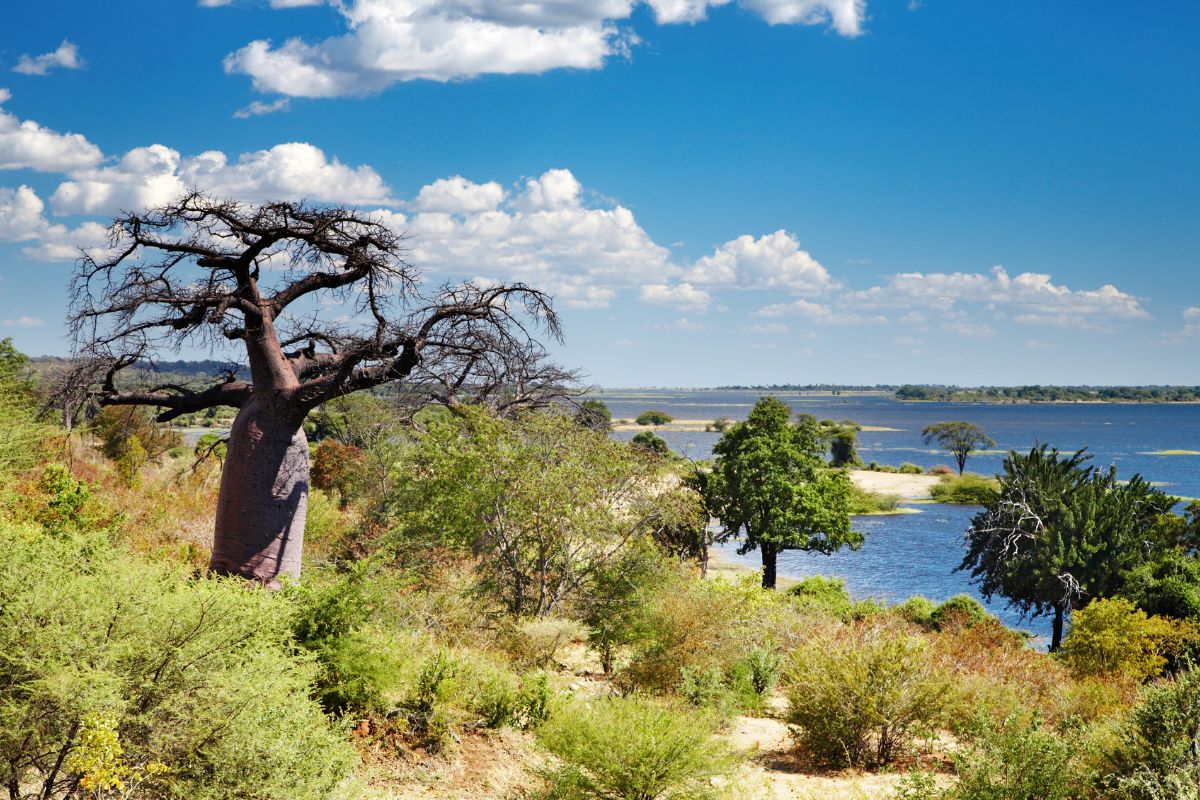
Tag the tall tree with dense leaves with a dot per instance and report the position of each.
(960, 439)
(770, 486)
(264, 279)
(1061, 533)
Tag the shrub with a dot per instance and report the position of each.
(966, 489)
(828, 594)
(1019, 760)
(650, 443)
(535, 643)
(116, 425)
(628, 748)
(594, 414)
(721, 424)
(155, 668)
(1113, 636)
(941, 469)
(858, 699)
(962, 610)
(908, 468)
(917, 609)
(426, 709)
(1156, 753)
(653, 418)
(863, 501)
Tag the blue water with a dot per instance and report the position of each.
(917, 553)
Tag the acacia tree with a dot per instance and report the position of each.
(321, 303)
(1060, 532)
(960, 439)
(770, 485)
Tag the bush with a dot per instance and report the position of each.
(1115, 637)
(197, 676)
(962, 610)
(917, 609)
(1018, 760)
(653, 418)
(966, 489)
(1156, 754)
(628, 748)
(535, 643)
(941, 469)
(649, 442)
(863, 501)
(908, 468)
(828, 594)
(858, 699)
(506, 701)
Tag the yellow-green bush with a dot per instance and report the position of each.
(1113, 636)
(858, 698)
(198, 676)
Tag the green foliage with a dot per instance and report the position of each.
(653, 417)
(958, 438)
(1114, 637)
(857, 700)
(1018, 760)
(544, 502)
(908, 468)
(1168, 586)
(130, 459)
(536, 642)
(1059, 531)
(629, 748)
(962, 610)
(770, 485)
(339, 468)
(616, 597)
(117, 425)
(843, 445)
(507, 701)
(965, 489)
(720, 424)
(828, 594)
(70, 507)
(864, 501)
(427, 705)
(649, 442)
(1157, 752)
(594, 414)
(917, 610)
(180, 664)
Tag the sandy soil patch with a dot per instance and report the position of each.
(906, 486)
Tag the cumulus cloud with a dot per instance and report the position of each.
(21, 214)
(258, 108)
(388, 41)
(27, 145)
(149, 176)
(818, 313)
(774, 261)
(24, 322)
(681, 295)
(459, 195)
(66, 56)
(1033, 298)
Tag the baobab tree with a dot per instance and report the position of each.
(321, 303)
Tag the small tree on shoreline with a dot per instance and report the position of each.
(958, 438)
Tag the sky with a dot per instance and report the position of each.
(750, 192)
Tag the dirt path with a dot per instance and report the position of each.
(772, 772)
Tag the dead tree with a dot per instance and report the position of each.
(321, 303)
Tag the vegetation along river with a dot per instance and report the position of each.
(908, 554)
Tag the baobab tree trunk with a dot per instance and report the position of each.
(263, 499)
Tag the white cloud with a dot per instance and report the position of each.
(774, 261)
(24, 322)
(258, 108)
(149, 176)
(66, 56)
(1033, 297)
(683, 325)
(1191, 313)
(21, 214)
(27, 145)
(767, 329)
(969, 329)
(681, 295)
(388, 41)
(816, 312)
(459, 195)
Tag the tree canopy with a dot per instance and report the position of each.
(958, 438)
(1061, 533)
(770, 485)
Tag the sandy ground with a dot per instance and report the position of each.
(773, 773)
(912, 487)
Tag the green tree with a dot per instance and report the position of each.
(543, 502)
(594, 414)
(1060, 531)
(651, 443)
(653, 418)
(770, 485)
(960, 439)
(843, 443)
(117, 426)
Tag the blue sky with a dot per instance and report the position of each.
(755, 191)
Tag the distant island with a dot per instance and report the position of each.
(1001, 394)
